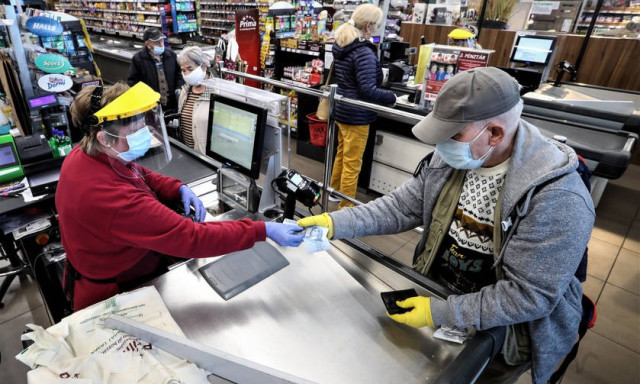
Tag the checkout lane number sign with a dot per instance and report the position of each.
(44, 26)
(52, 63)
(55, 83)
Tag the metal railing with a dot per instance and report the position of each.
(334, 99)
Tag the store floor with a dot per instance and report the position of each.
(609, 353)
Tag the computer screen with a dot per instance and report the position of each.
(533, 49)
(235, 135)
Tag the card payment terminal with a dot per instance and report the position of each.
(10, 167)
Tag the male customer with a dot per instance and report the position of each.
(491, 172)
(156, 65)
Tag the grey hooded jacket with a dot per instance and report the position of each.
(539, 287)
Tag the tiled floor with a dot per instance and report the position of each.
(609, 353)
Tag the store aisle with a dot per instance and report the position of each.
(609, 354)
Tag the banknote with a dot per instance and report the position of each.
(315, 239)
(290, 222)
(451, 334)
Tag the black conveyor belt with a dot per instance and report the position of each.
(610, 149)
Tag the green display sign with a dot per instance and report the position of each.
(52, 63)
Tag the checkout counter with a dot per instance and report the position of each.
(320, 318)
(114, 53)
(606, 139)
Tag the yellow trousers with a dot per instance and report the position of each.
(352, 139)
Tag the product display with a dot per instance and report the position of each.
(119, 17)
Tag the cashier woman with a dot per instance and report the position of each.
(114, 224)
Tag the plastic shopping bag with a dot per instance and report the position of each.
(80, 348)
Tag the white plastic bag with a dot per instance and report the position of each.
(80, 348)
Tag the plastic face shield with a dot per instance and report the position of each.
(468, 43)
(154, 159)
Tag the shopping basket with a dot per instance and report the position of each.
(317, 130)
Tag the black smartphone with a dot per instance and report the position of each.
(389, 299)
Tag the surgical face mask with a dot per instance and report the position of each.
(458, 154)
(158, 50)
(195, 77)
(139, 143)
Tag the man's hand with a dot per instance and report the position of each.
(190, 199)
(284, 234)
(419, 316)
(323, 220)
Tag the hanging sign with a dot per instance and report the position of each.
(52, 63)
(55, 83)
(44, 26)
(248, 38)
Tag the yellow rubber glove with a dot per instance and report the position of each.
(419, 316)
(323, 220)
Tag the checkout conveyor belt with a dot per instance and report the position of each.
(608, 152)
(321, 319)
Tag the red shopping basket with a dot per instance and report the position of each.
(317, 130)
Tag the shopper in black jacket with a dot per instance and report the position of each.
(359, 76)
(157, 66)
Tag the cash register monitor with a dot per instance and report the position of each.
(533, 49)
(235, 134)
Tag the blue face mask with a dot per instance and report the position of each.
(458, 154)
(158, 50)
(139, 143)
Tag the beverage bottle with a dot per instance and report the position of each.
(64, 147)
(53, 143)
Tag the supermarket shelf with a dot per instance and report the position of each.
(606, 25)
(93, 10)
(296, 83)
(301, 51)
(621, 10)
(118, 1)
(158, 25)
(284, 35)
(215, 27)
(216, 11)
(218, 20)
(114, 31)
(225, 3)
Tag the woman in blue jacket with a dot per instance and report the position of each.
(358, 74)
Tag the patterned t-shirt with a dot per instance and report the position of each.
(466, 254)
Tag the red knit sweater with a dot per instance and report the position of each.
(112, 225)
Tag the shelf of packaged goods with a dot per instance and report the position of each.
(606, 25)
(301, 51)
(283, 35)
(215, 27)
(296, 83)
(216, 11)
(99, 29)
(225, 3)
(217, 20)
(284, 125)
(94, 10)
(119, 1)
(622, 10)
(345, 7)
(158, 25)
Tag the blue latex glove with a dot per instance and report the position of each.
(190, 199)
(285, 234)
